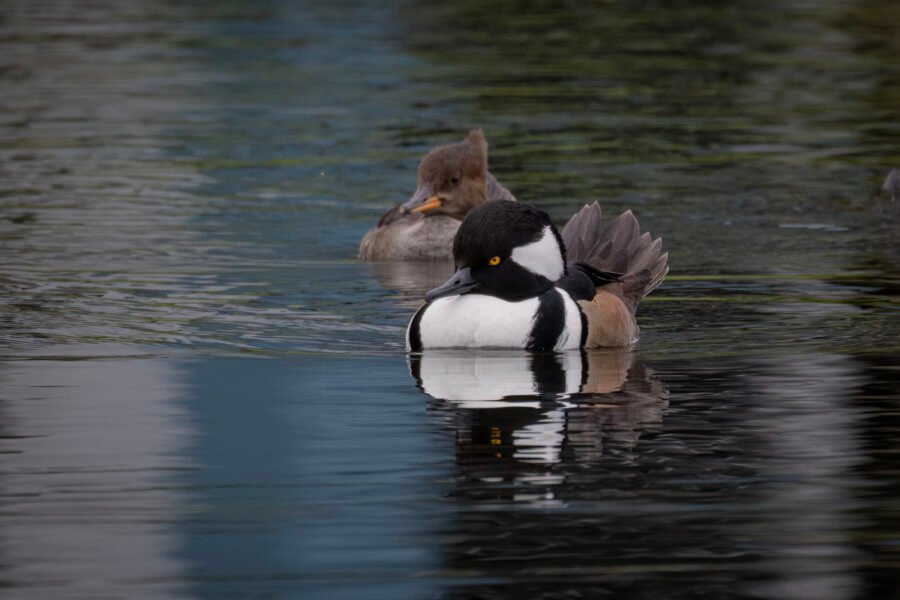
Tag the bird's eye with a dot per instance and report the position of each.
(454, 179)
(494, 261)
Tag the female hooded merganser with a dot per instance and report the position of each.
(513, 289)
(453, 179)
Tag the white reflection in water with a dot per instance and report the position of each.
(487, 380)
(86, 456)
(518, 414)
(813, 432)
(541, 442)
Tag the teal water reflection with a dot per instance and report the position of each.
(298, 486)
(204, 394)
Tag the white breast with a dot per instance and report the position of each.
(477, 321)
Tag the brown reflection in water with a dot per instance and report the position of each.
(411, 279)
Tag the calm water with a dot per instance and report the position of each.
(203, 394)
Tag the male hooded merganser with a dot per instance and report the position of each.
(453, 179)
(513, 289)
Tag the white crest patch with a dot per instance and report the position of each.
(541, 257)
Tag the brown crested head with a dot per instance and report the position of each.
(452, 178)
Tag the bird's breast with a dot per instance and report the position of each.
(480, 321)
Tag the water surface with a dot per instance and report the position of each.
(204, 394)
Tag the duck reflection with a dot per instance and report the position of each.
(517, 416)
(411, 279)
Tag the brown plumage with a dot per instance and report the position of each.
(618, 248)
(452, 180)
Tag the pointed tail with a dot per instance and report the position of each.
(619, 248)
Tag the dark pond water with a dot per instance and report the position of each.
(204, 394)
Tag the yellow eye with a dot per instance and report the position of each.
(494, 261)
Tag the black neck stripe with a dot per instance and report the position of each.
(549, 321)
(415, 335)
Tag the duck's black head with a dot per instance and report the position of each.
(505, 249)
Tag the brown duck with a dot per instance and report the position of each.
(453, 179)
